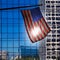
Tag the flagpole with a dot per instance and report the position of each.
(20, 7)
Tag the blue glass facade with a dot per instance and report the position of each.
(12, 30)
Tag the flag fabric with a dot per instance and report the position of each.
(36, 26)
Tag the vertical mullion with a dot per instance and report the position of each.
(18, 36)
(45, 19)
(13, 28)
(13, 33)
(18, 33)
(1, 33)
(7, 29)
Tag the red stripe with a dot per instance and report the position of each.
(46, 25)
(43, 28)
(37, 37)
(25, 21)
(39, 34)
(34, 24)
(29, 14)
(30, 17)
(24, 18)
(33, 36)
(29, 25)
(29, 20)
(41, 25)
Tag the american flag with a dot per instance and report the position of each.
(35, 24)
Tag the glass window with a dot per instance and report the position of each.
(10, 29)
(4, 36)
(58, 48)
(53, 44)
(10, 21)
(48, 53)
(48, 40)
(47, 1)
(53, 48)
(48, 14)
(58, 14)
(10, 44)
(58, 23)
(53, 14)
(53, 57)
(58, 31)
(52, 1)
(54, 40)
(52, 7)
(57, 1)
(10, 14)
(16, 50)
(4, 44)
(4, 29)
(58, 43)
(0, 35)
(53, 18)
(48, 49)
(10, 36)
(48, 44)
(48, 18)
(16, 44)
(54, 52)
(53, 26)
(48, 6)
(4, 16)
(57, 18)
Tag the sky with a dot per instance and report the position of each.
(12, 28)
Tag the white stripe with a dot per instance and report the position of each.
(29, 31)
(45, 25)
(41, 29)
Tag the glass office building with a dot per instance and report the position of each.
(13, 35)
(52, 15)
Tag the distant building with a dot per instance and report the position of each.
(52, 15)
(42, 50)
(3, 55)
(29, 52)
(17, 57)
(50, 50)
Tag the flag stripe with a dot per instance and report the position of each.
(27, 19)
(33, 24)
(38, 23)
(28, 16)
(41, 34)
(46, 25)
(29, 25)
(44, 28)
(26, 23)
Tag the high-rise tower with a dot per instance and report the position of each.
(52, 16)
